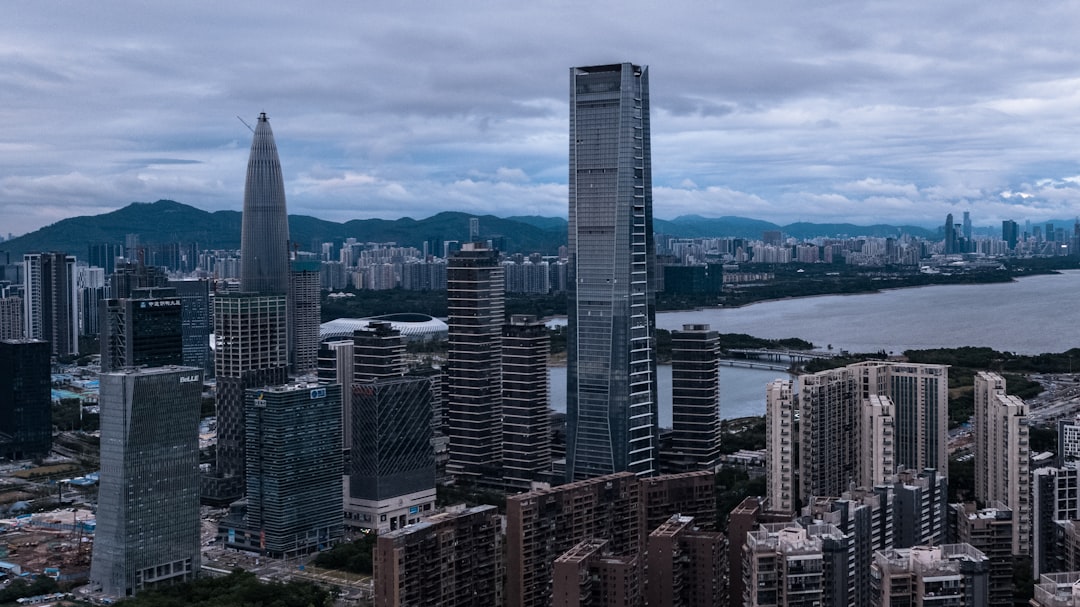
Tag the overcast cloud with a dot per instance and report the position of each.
(865, 112)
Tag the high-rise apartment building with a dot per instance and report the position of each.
(11, 317)
(293, 456)
(50, 305)
(451, 559)
(990, 530)
(611, 401)
(526, 414)
(589, 575)
(148, 521)
(543, 524)
(474, 283)
(861, 422)
(25, 398)
(1054, 497)
(695, 396)
(788, 565)
(781, 439)
(1057, 590)
(686, 566)
(1003, 454)
(951, 574)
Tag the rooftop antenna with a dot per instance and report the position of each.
(245, 124)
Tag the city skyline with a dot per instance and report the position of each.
(840, 112)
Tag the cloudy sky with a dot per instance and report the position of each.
(782, 110)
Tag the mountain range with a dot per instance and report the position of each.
(168, 221)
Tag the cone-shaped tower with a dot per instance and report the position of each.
(264, 236)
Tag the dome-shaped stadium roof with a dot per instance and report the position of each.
(414, 327)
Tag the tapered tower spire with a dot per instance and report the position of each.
(264, 236)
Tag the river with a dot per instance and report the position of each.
(1031, 315)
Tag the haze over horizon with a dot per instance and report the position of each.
(846, 112)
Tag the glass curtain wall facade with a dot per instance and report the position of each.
(611, 372)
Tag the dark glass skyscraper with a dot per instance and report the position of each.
(264, 235)
(25, 398)
(251, 327)
(611, 373)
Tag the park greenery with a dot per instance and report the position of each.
(355, 556)
(238, 589)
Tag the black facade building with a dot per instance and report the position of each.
(143, 331)
(25, 398)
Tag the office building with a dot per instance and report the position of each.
(451, 559)
(250, 350)
(251, 326)
(264, 232)
(293, 500)
(195, 322)
(1010, 233)
(50, 303)
(1003, 454)
(526, 413)
(543, 524)
(989, 530)
(611, 401)
(475, 296)
(90, 283)
(130, 276)
(146, 331)
(391, 469)
(952, 574)
(25, 399)
(695, 396)
(304, 315)
(781, 439)
(148, 524)
(686, 565)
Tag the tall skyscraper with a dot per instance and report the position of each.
(781, 439)
(526, 416)
(50, 305)
(251, 327)
(251, 350)
(695, 395)
(148, 505)
(264, 236)
(25, 398)
(1010, 232)
(474, 282)
(611, 400)
(11, 317)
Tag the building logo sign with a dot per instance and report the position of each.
(318, 393)
(184, 379)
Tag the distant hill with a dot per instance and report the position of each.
(168, 221)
